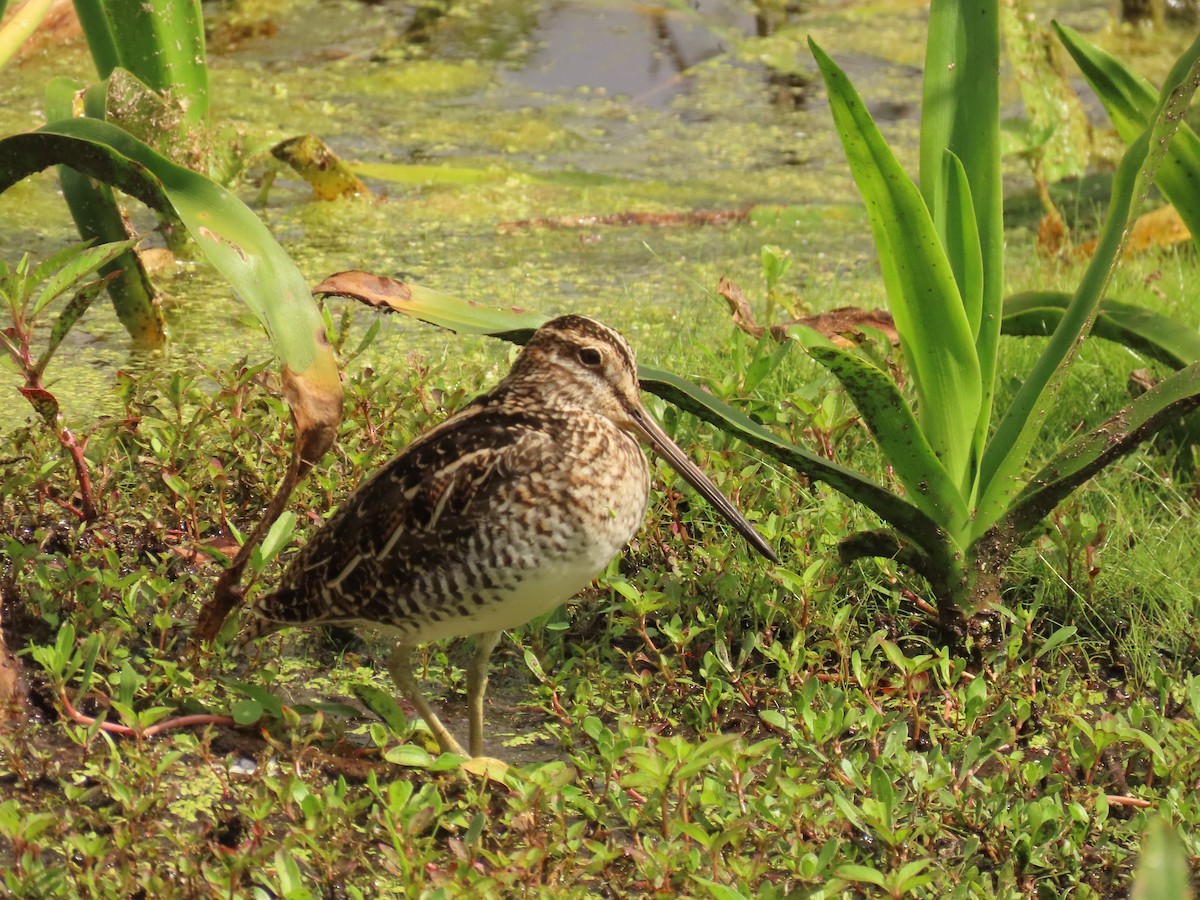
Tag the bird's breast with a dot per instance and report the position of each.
(550, 532)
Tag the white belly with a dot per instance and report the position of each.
(536, 592)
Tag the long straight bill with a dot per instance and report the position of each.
(669, 450)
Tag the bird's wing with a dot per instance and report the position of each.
(385, 545)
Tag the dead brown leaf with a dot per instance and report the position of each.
(844, 325)
(378, 291)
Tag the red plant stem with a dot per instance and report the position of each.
(113, 728)
(558, 710)
(1122, 800)
(87, 500)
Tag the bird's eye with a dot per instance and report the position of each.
(589, 356)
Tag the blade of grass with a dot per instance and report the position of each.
(960, 114)
(922, 292)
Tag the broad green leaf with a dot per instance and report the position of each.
(701, 755)
(895, 656)
(383, 705)
(776, 720)
(291, 882)
(64, 645)
(267, 701)
(246, 712)
(279, 535)
(962, 240)
(960, 115)
(159, 41)
(233, 239)
(855, 872)
(1037, 314)
(894, 427)
(960, 111)
(410, 756)
(148, 717)
(1130, 102)
(922, 292)
(1010, 445)
(176, 485)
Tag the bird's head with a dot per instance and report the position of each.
(583, 364)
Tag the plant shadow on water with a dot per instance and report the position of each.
(693, 725)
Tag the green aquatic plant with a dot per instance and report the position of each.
(968, 501)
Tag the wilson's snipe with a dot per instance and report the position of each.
(499, 514)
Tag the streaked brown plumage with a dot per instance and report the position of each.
(499, 514)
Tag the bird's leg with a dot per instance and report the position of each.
(399, 664)
(477, 679)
